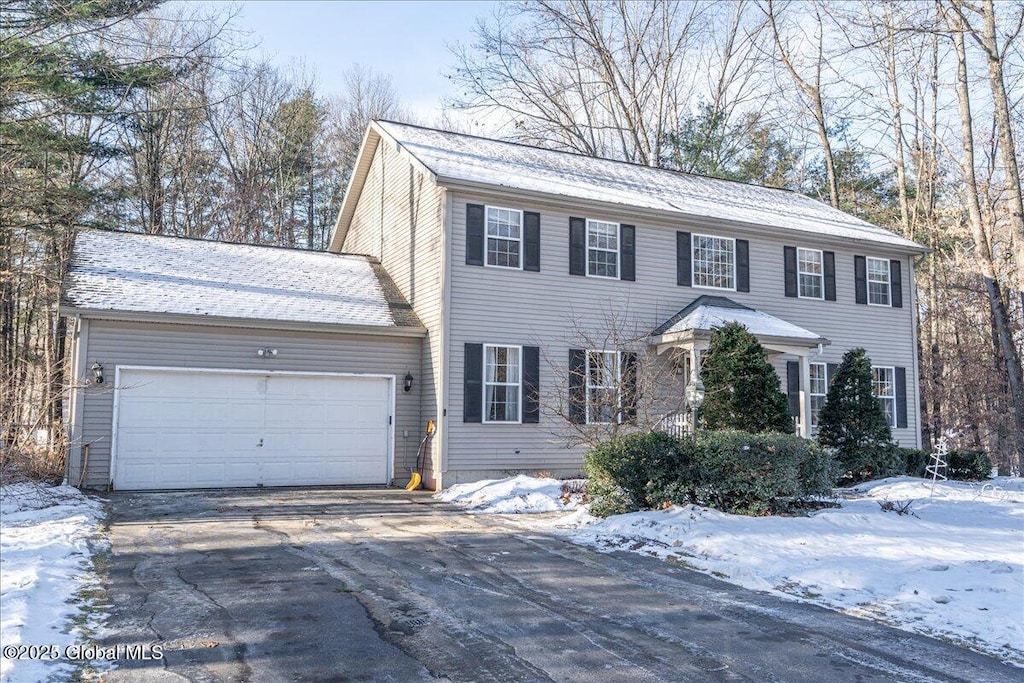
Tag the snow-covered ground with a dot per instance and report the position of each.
(47, 537)
(953, 569)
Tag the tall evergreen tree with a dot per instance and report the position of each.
(854, 423)
(743, 390)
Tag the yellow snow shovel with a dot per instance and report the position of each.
(416, 480)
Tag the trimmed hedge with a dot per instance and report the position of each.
(915, 460)
(872, 462)
(729, 470)
(967, 465)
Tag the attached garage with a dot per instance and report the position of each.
(208, 365)
(208, 428)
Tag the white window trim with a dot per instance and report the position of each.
(824, 367)
(821, 275)
(488, 236)
(484, 383)
(618, 251)
(867, 280)
(617, 387)
(693, 261)
(892, 369)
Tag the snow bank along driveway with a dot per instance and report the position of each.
(47, 537)
(954, 569)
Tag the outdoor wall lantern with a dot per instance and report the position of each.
(407, 386)
(97, 372)
(694, 395)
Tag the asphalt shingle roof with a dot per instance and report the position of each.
(131, 272)
(466, 158)
(705, 313)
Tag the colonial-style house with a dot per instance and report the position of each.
(477, 284)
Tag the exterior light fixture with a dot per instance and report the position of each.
(694, 395)
(262, 353)
(97, 372)
(407, 386)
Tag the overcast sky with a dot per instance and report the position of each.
(407, 40)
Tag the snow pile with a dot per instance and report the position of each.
(46, 544)
(954, 569)
(508, 496)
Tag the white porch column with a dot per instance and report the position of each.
(805, 396)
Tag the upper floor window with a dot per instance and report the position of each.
(504, 237)
(818, 390)
(878, 281)
(810, 273)
(884, 385)
(602, 249)
(503, 383)
(714, 262)
(602, 386)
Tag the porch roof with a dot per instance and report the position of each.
(704, 314)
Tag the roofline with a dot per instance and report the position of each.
(703, 335)
(473, 186)
(574, 153)
(248, 323)
(371, 142)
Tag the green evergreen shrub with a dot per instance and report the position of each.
(632, 472)
(853, 423)
(757, 473)
(915, 460)
(968, 465)
(743, 391)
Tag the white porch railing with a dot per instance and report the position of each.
(676, 424)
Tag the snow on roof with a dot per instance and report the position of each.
(457, 157)
(708, 312)
(131, 272)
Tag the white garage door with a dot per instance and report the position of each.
(180, 429)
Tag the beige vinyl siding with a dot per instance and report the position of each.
(198, 346)
(492, 305)
(398, 219)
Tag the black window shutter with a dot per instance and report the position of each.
(895, 284)
(627, 253)
(472, 383)
(577, 246)
(901, 398)
(684, 264)
(860, 278)
(828, 259)
(531, 384)
(531, 241)
(577, 386)
(789, 265)
(793, 387)
(629, 397)
(742, 266)
(474, 234)
(830, 373)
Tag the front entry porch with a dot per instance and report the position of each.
(687, 335)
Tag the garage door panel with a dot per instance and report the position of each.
(189, 429)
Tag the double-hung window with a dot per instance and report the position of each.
(503, 383)
(878, 281)
(714, 262)
(818, 390)
(602, 387)
(884, 385)
(602, 249)
(810, 274)
(504, 237)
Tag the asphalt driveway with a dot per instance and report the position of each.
(339, 585)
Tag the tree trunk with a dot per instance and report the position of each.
(1002, 330)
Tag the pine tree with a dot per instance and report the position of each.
(743, 391)
(854, 423)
